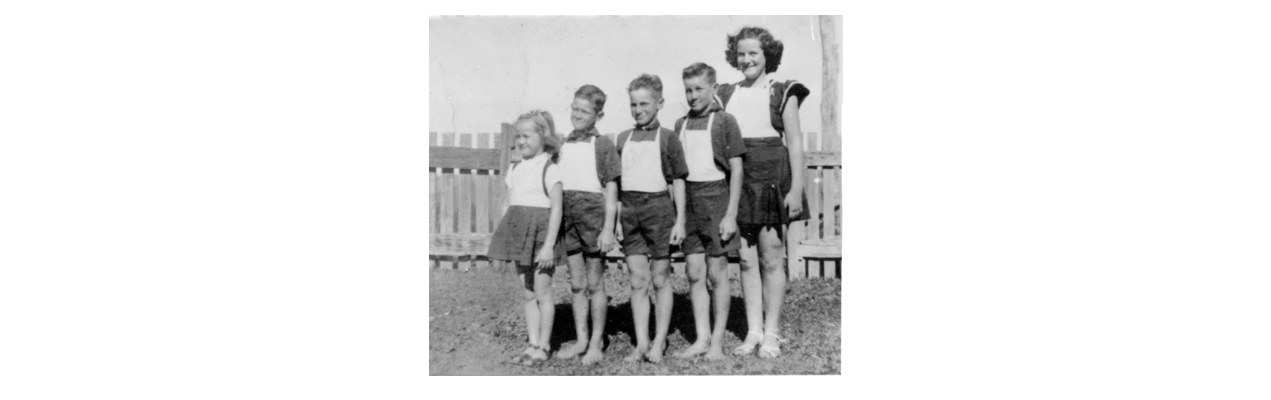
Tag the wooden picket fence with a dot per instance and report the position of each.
(465, 183)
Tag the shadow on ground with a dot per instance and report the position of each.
(620, 320)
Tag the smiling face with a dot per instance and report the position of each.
(528, 141)
(750, 58)
(699, 91)
(644, 106)
(583, 114)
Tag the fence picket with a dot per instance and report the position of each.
(463, 205)
(447, 199)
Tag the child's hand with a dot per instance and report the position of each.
(794, 203)
(546, 256)
(606, 242)
(677, 234)
(727, 227)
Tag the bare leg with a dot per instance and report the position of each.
(546, 311)
(701, 304)
(662, 285)
(718, 270)
(752, 292)
(578, 285)
(639, 266)
(772, 256)
(530, 302)
(599, 309)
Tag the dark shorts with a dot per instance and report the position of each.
(707, 204)
(765, 182)
(520, 235)
(583, 219)
(647, 219)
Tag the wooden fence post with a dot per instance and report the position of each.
(481, 200)
(463, 203)
(831, 95)
(447, 199)
(434, 203)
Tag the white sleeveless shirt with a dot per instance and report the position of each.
(526, 181)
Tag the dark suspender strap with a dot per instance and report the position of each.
(544, 179)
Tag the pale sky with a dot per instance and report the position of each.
(487, 70)
(1136, 109)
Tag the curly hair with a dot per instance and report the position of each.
(546, 128)
(592, 94)
(772, 47)
(647, 81)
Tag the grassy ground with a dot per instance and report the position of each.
(476, 322)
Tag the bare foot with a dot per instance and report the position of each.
(694, 350)
(637, 353)
(748, 345)
(572, 351)
(716, 353)
(594, 355)
(655, 353)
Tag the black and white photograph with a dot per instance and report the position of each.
(635, 195)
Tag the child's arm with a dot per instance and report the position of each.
(547, 255)
(677, 231)
(794, 143)
(607, 240)
(728, 226)
(506, 201)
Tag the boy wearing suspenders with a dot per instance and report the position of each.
(712, 149)
(652, 218)
(590, 205)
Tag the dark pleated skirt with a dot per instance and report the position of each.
(765, 182)
(521, 234)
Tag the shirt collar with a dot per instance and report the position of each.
(652, 126)
(709, 109)
(580, 135)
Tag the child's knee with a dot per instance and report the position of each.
(770, 242)
(596, 287)
(719, 276)
(528, 295)
(578, 283)
(696, 273)
(773, 262)
(543, 295)
(639, 281)
(660, 281)
(748, 263)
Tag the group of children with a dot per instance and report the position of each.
(718, 182)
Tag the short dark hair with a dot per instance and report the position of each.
(772, 47)
(592, 94)
(700, 69)
(646, 81)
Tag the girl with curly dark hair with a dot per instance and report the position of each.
(772, 182)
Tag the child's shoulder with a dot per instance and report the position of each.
(726, 117)
(675, 127)
(605, 140)
(789, 87)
